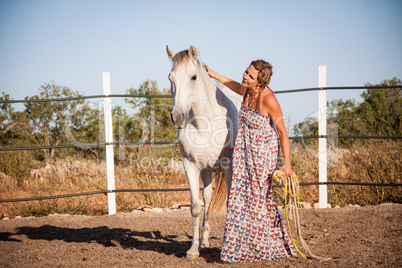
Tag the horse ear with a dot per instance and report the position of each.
(170, 52)
(193, 52)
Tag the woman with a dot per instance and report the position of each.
(254, 230)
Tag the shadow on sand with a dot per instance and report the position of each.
(114, 237)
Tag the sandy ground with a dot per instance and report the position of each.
(352, 236)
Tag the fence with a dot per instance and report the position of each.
(109, 143)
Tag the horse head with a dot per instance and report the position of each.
(183, 78)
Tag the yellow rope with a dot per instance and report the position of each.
(291, 194)
(292, 189)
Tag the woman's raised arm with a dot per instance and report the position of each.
(233, 85)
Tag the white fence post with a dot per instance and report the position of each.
(322, 131)
(111, 197)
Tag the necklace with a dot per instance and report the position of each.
(256, 95)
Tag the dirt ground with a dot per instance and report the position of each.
(352, 236)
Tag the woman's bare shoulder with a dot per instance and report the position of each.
(269, 97)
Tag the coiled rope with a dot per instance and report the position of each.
(291, 192)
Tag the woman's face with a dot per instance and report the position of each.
(250, 77)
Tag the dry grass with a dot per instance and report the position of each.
(374, 161)
(72, 175)
(369, 161)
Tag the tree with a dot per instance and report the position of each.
(13, 124)
(155, 112)
(152, 123)
(342, 114)
(9, 119)
(90, 131)
(14, 131)
(378, 114)
(51, 121)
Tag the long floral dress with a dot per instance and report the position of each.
(254, 230)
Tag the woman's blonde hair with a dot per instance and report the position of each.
(264, 71)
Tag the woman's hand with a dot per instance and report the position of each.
(211, 73)
(233, 85)
(287, 169)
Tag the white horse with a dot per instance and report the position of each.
(207, 123)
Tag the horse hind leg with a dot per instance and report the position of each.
(206, 177)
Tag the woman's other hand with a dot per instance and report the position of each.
(287, 169)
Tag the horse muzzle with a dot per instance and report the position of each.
(179, 119)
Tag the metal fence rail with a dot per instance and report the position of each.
(183, 190)
(170, 96)
(100, 144)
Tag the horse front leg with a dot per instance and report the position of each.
(193, 175)
(206, 177)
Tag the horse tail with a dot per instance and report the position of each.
(219, 197)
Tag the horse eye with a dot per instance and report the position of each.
(194, 77)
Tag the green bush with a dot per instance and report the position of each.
(15, 164)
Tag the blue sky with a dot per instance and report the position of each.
(73, 42)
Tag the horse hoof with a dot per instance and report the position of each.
(192, 256)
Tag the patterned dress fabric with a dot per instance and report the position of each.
(254, 230)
